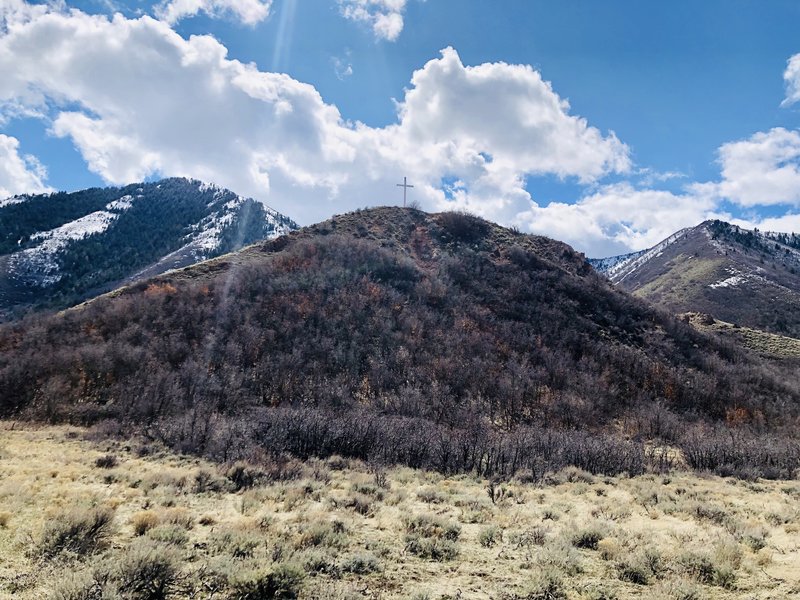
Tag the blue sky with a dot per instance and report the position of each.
(676, 111)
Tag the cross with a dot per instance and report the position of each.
(405, 185)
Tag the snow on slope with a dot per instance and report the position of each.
(617, 268)
(41, 259)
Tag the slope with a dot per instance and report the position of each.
(58, 249)
(749, 278)
(424, 339)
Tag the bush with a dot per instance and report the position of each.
(321, 562)
(5, 517)
(148, 571)
(329, 535)
(144, 521)
(431, 548)
(281, 583)
(463, 226)
(431, 526)
(535, 536)
(546, 585)
(109, 461)
(244, 476)
(237, 544)
(361, 504)
(79, 531)
(76, 586)
(169, 534)
(587, 539)
(490, 535)
(178, 516)
(361, 564)
(431, 496)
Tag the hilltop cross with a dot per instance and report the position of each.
(405, 185)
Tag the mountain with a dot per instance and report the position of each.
(747, 278)
(424, 339)
(58, 249)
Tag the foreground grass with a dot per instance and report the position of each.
(84, 520)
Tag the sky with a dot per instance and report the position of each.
(608, 125)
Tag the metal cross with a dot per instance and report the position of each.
(405, 185)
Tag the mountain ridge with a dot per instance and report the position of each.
(745, 277)
(60, 248)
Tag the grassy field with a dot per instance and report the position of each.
(83, 519)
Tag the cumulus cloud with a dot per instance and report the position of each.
(619, 218)
(19, 174)
(759, 171)
(248, 12)
(137, 100)
(792, 78)
(385, 17)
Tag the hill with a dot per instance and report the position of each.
(440, 341)
(749, 278)
(59, 249)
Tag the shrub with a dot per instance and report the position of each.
(237, 544)
(546, 585)
(432, 548)
(561, 557)
(754, 538)
(463, 226)
(144, 521)
(169, 534)
(81, 531)
(243, 475)
(535, 536)
(206, 481)
(361, 564)
(698, 566)
(281, 583)
(321, 562)
(5, 517)
(587, 539)
(329, 535)
(432, 526)
(178, 516)
(76, 586)
(641, 567)
(490, 535)
(109, 461)
(360, 503)
(431, 496)
(147, 571)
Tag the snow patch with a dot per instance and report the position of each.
(729, 282)
(39, 263)
(13, 200)
(121, 204)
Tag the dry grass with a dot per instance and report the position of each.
(768, 344)
(340, 530)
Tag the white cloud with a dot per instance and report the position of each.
(385, 17)
(19, 174)
(792, 78)
(137, 99)
(619, 218)
(248, 12)
(342, 67)
(759, 171)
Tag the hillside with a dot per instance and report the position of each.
(749, 278)
(439, 341)
(59, 249)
